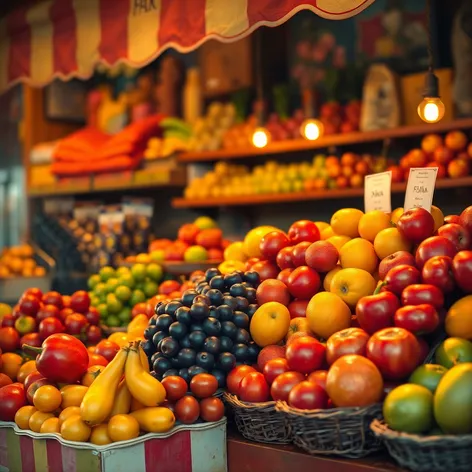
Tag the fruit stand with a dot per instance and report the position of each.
(204, 289)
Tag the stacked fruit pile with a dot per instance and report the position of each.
(100, 404)
(38, 315)
(207, 330)
(199, 241)
(19, 261)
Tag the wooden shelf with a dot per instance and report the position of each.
(297, 145)
(265, 199)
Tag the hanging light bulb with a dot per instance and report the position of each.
(261, 137)
(431, 109)
(312, 129)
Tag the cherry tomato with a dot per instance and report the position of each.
(212, 409)
(274, 368)
(235, 376)
(254, 388)
(47, 399)
(107, 349)
(12, 398)
(283, 384)
(203, 385)
(91, 374)
(308, 396)
(5, 380)
(187, 410)
(31, 378)
(176, 387)
(23, 416)
(97, 359)
(319, 378)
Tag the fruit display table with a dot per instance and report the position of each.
(246, 456)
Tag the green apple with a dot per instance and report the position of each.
(157, 256)
(195, 254)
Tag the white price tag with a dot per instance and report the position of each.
(420, 188)
(377, 195)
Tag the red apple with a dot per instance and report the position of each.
(462, 269)
(66, 300)
(395, 259)
(50, 326)
(457, 234)
(174, 253)
(76, 324)
(400, 277)
(298, 253)
(215, 254)
(139, 309)
(47, 311)
(25, 325)
(434, 246)
(284, 258)
(53, 298)
(80, 302)
(35, 292)
(269, 352)
(29, 305)
(32, 339)
(167, 287)
(304, 282)
(303, 230)
(250, 262)
(344, 342)
(284, 275)
(93, 317)
(266, 270)
(465, 219)
(272, 290)
(452, 219)
(443, 155)
(322, 256)
(64, 313)
(438, 271)
(458, 168)
(416, 225)
(8, 321)
(93, 334)
(188, 232)
(297, 308)
(272, 243)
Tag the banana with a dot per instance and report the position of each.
(142, 385)
(99, 399)
(144, 359)
(122, 403)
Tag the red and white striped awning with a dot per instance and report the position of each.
(68, 38)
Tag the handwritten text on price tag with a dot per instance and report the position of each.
(420, 188)
(377, 192)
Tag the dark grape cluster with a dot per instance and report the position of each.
(206, 330)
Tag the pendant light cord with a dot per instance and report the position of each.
(429, 20)
(259, 85)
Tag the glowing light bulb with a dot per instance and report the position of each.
(312, 129)
(260, 138)
(431, 109)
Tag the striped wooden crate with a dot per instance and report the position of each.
(195, 448)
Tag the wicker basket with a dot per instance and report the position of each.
(259, 422)
(426, 453)
(340, 431)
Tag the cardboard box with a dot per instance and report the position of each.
(195, 448)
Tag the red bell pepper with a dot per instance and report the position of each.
(62, 358)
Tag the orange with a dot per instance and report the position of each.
(372, 222)
(438, 217)
(100, 435)
(51, 425)
(321, 225)
(23, 415)
(37, 419)
(329, 276)
(327, 314)
(91, 374)
(359, 253)
(458, 321)
(270, 323)
(25, 370)
(346, 222)
(326, 233)
(253, 238)
(338, 241)
(67, 412)
(298, 325)
(47, 398)
(72, 395)
(389, 241)
(74, 429)
(352, 284)
(123, 428)
(395, 215)
(11, 364)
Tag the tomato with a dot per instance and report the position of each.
(123, 428)
(305, 354)
(100, 436)
(50, 426)
(319, 378)
(47, 398)
(187, 410)
(91, 374)
(97, 359)
(235, 376)
(23, 416)
(203, 385)
(37, 419)
(274, 368)
(254, 388)
(72, 395)
(5, 380)
(346, 341)
(68, 412)
(308, 396)
(395, 351)
(26, 369)
(12, 398)
(107, 349)
(31, 378)
(9, 339)
(50, 326)
(74, 429)
(283, 384)
(176, 387)
(11, 364)
(212, 409)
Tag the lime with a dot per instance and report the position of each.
(137, 297)
(94, 300)
(122, 271)
(92, 281)
(112, 321)
(114, 305)
(428, 375)
(106, 273)
(138, 271)
(140, 287)
(112, 284)
(127, 279)
(157, 256)
(123, 293)
(100, 289)
(103, 298)
(102, 310)
(154, 272)
(150, 289)
(409, 409)
(124, 315)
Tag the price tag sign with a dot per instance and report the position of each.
(377, 192)
(420, 188)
